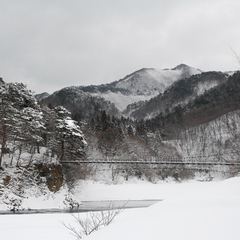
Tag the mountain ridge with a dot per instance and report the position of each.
(136, 95)
(141, 85)
(180, 92)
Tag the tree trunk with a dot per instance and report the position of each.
(3, 142)
(38, 149)
(62, 151)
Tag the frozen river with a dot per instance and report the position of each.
(87, 206)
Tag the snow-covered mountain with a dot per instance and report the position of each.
(179, 93)
(150, 81)
(143, 85)
(136, 87)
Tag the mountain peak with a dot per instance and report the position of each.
(181, 66)
(187, 71)
(148, 80)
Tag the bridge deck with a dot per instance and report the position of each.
(103, 161)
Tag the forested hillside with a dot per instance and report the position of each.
(155, 125)
(204, 108)
(201, 124)
(180, 93)
(34, 141)
(81, 105)
(195, 118)
(26, 126)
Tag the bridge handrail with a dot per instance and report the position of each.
(156, 161)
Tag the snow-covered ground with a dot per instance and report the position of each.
(189, 210)
(121, 101)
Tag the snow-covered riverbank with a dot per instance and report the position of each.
(190, 210)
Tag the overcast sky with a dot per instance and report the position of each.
(52, 44)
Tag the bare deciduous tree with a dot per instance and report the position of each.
(93, 221)
(237, 57)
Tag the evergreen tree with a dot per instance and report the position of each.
(15, 99)
(31, 126)
(105, 120)
(9, 117)
(70, 139)
(130, 130)
(98, 126)
(92, 125)
(141, 129)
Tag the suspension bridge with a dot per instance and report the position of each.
(154, 161)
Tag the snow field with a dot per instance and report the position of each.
(121, 101)
(189, 210)
(209, 211)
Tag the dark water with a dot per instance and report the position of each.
(87, 206)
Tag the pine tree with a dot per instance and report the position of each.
(31, 126)
(141, 129)
(20, 116)
(105, 120)
(92, 125)
(98, 126)
(9, 117)
(130, 130)
(70, 139)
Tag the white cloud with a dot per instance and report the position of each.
(49, 45)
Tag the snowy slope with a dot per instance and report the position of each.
(180, 92)
(216, 139)
(121, 101)
(205, 86)
(150, 80)
(144, 84)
